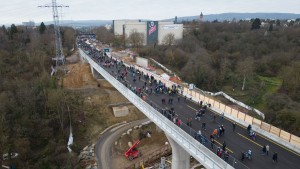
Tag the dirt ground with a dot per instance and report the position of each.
(147, 145)
(98, 115)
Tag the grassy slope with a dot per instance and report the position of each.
(268, 85)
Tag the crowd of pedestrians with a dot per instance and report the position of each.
(151, 86)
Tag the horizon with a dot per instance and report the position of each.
(135, 9)
(79, 20)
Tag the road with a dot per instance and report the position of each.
(237, 142)
(103, 148)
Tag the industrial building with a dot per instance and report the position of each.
(154, 31)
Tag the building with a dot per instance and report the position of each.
(201, 19)
(154, 32)
(28, 24)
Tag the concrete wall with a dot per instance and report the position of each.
(140, 27)
(164, 28)
(142, 62)
(118, 27)
(120, 111)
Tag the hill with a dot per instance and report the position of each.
(240, 16)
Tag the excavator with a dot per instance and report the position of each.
(133, 152)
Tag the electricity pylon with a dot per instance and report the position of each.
(59, 58)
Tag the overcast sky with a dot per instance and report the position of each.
(17, 11)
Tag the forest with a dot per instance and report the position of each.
(34, 110)
(255, 61)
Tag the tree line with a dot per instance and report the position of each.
(34, 111)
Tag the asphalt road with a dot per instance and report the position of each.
(103, 148)
(237, 142)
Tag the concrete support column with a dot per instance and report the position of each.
(96, 74)
(180, 158)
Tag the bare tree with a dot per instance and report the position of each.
(104, 35)
(169, 39)
(136, 39)
(245, 68)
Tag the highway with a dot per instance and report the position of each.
(237, 142)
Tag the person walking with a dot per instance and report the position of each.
(224, 146)
(226, 155)
(179, 122)
(204, 126)
(199, 133)
(223, 130)
(233, 127)
(212, 142)
(275, 157)
(267, 149)
(264, 149)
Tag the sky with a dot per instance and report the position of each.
(18, 11)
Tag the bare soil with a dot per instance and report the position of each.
(147, 146)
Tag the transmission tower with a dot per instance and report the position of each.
(59, 58)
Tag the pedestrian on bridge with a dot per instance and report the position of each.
(222, 116)
(226, 155)
(223, 130)
(224, 146)
(179, 122)
(204, 126)
(264, 149)
(212, 142)
(275, 157)
(233, 126)
(267, 149)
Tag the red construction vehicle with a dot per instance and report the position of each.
(133, 152)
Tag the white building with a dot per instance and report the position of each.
(28, 24)
(153, 31)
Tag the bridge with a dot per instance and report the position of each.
(184, 139)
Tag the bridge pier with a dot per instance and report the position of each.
(96, 74)
(180, 157)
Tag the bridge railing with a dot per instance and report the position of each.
(192, 146)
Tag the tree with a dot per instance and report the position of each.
(256, 24)
(291, 80)
(271, 27)
(13, 30)
(277, 22)
(245, 68)
(69, 38)
(3, 28)
(42, 28)
(169, 39)
(103, 35)
(136, 39)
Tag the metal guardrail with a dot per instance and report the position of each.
(192, 146)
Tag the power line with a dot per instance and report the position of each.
(60, 58)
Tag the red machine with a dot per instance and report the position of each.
(133, 152)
